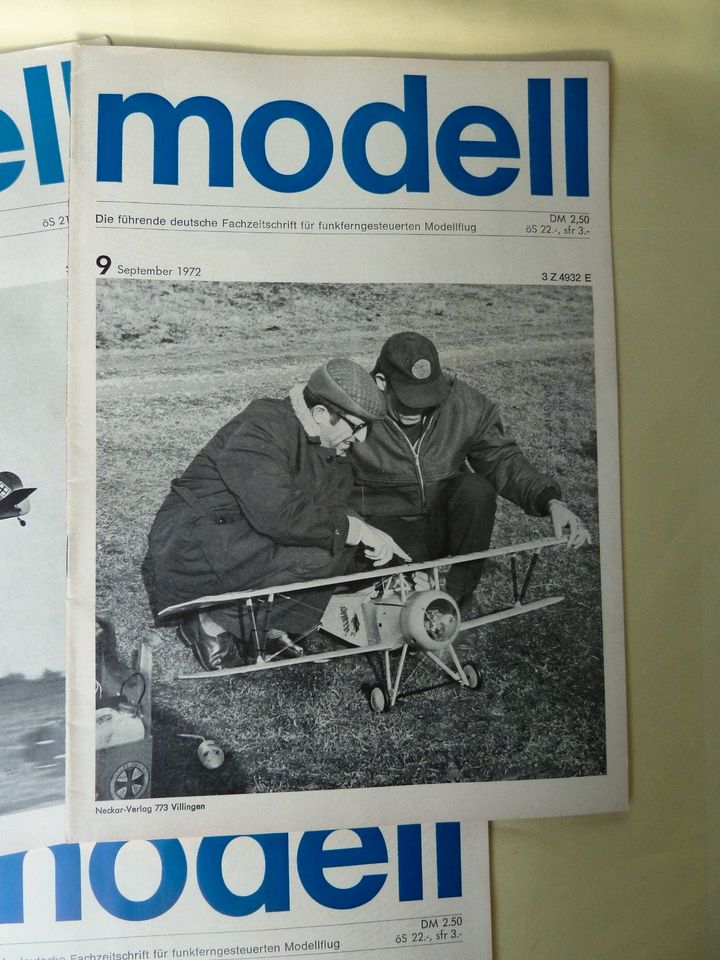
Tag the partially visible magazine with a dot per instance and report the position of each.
(408, 891)
(34, 135)
(343, 443)
(34, 129)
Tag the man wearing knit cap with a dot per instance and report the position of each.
(432, 469)
(265, 503)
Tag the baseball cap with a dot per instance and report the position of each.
(411, 363)
(346, 385)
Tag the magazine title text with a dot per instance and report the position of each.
(313, 864)
(467, 134)
(43, 126)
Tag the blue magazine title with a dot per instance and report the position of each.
(394, 861)
(446, 148)
(452, 142)
(43, 155)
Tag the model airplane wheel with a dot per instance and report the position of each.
(378, 700)
(472, 675)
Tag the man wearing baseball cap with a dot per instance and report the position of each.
(265, 503)
(432, 469)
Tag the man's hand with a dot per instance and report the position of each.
(379, 546)
(561, 518)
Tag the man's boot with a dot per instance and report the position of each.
(211, 652)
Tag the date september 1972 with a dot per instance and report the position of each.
(104, 263)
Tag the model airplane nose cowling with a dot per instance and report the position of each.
(430, 619)
(9, 481)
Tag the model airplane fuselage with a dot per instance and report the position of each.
(14, 502)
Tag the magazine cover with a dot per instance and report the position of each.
(34, 128)
(343, 443)
(412, 890)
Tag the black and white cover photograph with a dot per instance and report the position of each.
(313, 437)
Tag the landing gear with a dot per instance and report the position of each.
(377, 698)
(383, 697)
(473, 676)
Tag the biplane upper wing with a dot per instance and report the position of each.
(221, 599)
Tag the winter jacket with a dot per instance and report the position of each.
(395, 479)
(263, 503)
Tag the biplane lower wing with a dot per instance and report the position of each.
(509, 612)
(514, 611)
(274, 664)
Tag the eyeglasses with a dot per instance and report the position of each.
(355, 428)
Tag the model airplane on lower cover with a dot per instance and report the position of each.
(14, 502)
(397, 612)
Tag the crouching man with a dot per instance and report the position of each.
(433, 469)
(264, 503)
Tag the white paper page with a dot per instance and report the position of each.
(34, 133)
(33, 288)
(411, 891)
(238, 220)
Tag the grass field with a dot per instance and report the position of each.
(176, 361)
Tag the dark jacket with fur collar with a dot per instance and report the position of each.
(263, 503)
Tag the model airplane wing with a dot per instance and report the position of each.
(15, 503)
(375, 573)
(325, 657)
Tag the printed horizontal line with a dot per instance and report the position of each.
(256, 930)
(261, 206)
(29, 233)
(35, 206)
(345, 233)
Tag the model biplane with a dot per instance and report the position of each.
(402, 610)
(14, 502)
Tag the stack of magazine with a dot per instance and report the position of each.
(309, 495)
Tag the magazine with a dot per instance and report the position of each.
(343, 443)
(412, 890)
(34, 129)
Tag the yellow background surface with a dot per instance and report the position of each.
(642, 884)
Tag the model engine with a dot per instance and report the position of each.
(395, 611)
(430, 619)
